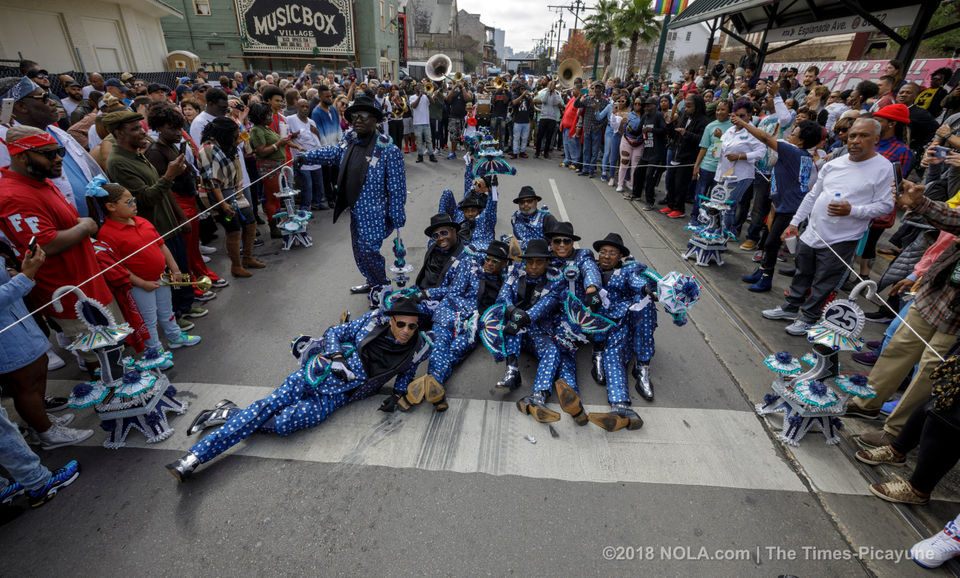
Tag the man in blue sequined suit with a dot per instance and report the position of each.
(372, 184)
(528, 219)
(477, 212)
(531, 295)
(455, 322)
(351, 362)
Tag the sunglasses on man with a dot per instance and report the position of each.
(51, 154)
(404, 325)
(561, 241)
(442, 233)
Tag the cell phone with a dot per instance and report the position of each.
(183, 147)
(32, 245)
(940, 152)
(7, 111)
(897, 179)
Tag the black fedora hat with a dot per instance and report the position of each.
(470, 200)
(611, 240)
(560, 229)
(498, 249)
(403, 306)
(363, 104)
(527, 192)
(440, 220)
(537, 248)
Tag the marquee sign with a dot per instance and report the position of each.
(298, 27)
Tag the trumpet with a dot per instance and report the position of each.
(458, 77)
(203, 283)
(498, 83)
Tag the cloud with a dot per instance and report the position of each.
(524, 22)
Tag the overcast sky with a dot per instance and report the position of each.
(525, 21)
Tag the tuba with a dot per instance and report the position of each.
(438, 66)
(569, 71)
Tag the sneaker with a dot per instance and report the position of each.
(54, 361)
(854, 410)
(900, 492)
(55, 403)
(881, 455)
(433, 158)
(58, 436)
(874, 345)
(59, 479)
(183, 340)
(882, 316)
(937, 549)
(788, 272)
(204, 297)
(205, 258)
(666, 210)
(867, 358)
(523, 155)
(563, 165)
(619, 188)
(748, 245)
(757, 256)
(782, 255)
(648, 207)
(61, 420)
(779, 313)
(196, 312)
(204, 250)
(797, 328)
(451, 156)
(512, 156)
(167, 364)
(676, 215)
(258, 242)
(874, 439)
(762, 285)
(185, 324)
(610, 183)
(12, 490)
(753, 277)
(889, 406)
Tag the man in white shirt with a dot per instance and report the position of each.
(420, 105)
(311, 176)
(73, 99)
(850, 192)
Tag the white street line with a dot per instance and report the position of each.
(561, 208)
(685, 446)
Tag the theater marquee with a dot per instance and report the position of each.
(306, 26)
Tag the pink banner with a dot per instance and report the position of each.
(844, 74)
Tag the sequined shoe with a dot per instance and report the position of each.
(357, 289)
(641, 372)
(619, 417)
(596, 368)
(184, 467)
(535, 405)
(511, 377)
(213, 417)
(570, 402)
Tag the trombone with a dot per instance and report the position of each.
(203, 283)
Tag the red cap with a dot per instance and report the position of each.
(897, 112)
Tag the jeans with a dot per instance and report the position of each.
(611, 153)
(521, 130)
(18, 459)
(497, 126)
(703, 188)
(421, 134)
(571, 148)
(155, 308)
(730, 217)
(545, 135)
(592, 150)
(311, 188)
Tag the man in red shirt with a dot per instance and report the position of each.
(689, 86)
(32, 206)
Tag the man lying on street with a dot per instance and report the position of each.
(351, 362)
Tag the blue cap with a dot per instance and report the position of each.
(113, 82)
(186, 79)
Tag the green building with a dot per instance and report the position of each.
(282, 36)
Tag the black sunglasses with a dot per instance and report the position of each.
(440, 234)
(561, 241)
(51, 154)
(45, 97)
(404, 324)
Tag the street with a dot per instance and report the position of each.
(704, 488)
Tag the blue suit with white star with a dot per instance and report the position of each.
(526, 227)
(299, 404)
(380, 206)
(577, 272)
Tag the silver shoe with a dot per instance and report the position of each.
(184, 466)
(642, 372)
(365, 288)
(213, 417)
(596, 369)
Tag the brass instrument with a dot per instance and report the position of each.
(203, 283)
(458, 77)
(438, 66)
(428, 88)
(498, 83)
(569, 71)
(398, 106)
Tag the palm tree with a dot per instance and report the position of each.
(600, 29)
(635, 20)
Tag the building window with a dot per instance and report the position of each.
(383, 16)
(201, 7)
(670, 57)
(688, 35)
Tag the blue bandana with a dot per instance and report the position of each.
(21, 89)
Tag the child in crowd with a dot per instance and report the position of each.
(125, 233)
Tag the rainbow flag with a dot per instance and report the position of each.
(669, 6)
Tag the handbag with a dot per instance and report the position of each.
(633, 140)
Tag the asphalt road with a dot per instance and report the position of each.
(703, 489)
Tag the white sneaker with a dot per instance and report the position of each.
(63, 420)
(798, 327)
(610, 183)
(937, 549)
(205, 258)
(619, 188)
(204, 250)
(54, 361)
(779, 313)
(58, 436)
